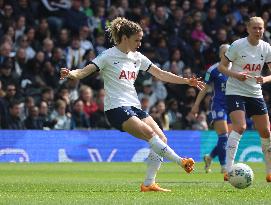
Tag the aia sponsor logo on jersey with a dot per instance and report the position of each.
(252, 67)
(128, 75)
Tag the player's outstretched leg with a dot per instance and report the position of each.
(162, 149)
(154, 162)
(266, 148)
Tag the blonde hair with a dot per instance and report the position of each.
(255, 19)
(120, 27)
(223, 49)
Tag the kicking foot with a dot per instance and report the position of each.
(223, 170)
(153, 187)
(207, 160)
(268, 178)
(188, 164)
(226, 177)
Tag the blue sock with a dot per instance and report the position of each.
(214, 152)
(221, 148)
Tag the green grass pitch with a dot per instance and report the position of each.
(118, 183)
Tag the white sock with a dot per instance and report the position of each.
(162, 149)
(231, 148)
(154, 162)
(266, 148)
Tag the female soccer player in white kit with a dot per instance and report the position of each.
(243, 89)
(120, 66)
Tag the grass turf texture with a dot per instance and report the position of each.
(118, 183)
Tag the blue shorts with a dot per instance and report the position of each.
(217, 113)
(251, 106)
(118, 116)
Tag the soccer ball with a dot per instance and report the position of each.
(241, 176)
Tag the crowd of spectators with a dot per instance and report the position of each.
(37, 38)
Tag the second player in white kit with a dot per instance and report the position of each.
(243, 90)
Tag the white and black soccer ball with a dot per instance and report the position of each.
(241, 176)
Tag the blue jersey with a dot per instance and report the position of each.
(218, 81)
(218, 106)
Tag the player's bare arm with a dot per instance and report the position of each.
(263, 79)
(224, 68)
(202, 93)
(172, 78)
(78, 73)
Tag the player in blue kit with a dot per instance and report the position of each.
(216, 81)
(119, 66)
(243, 90)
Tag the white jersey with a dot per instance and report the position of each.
(247, 58)
(120, 71)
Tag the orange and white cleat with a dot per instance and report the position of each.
(226, 177)
(268, 177)
(188, 164)
(153, 187)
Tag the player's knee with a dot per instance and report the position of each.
(240, 128)
(265, 132)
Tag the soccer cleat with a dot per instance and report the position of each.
(268, 178)
(188, 164)
(153, 187)
(207, 160)
(226, 177)
(223, 170)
